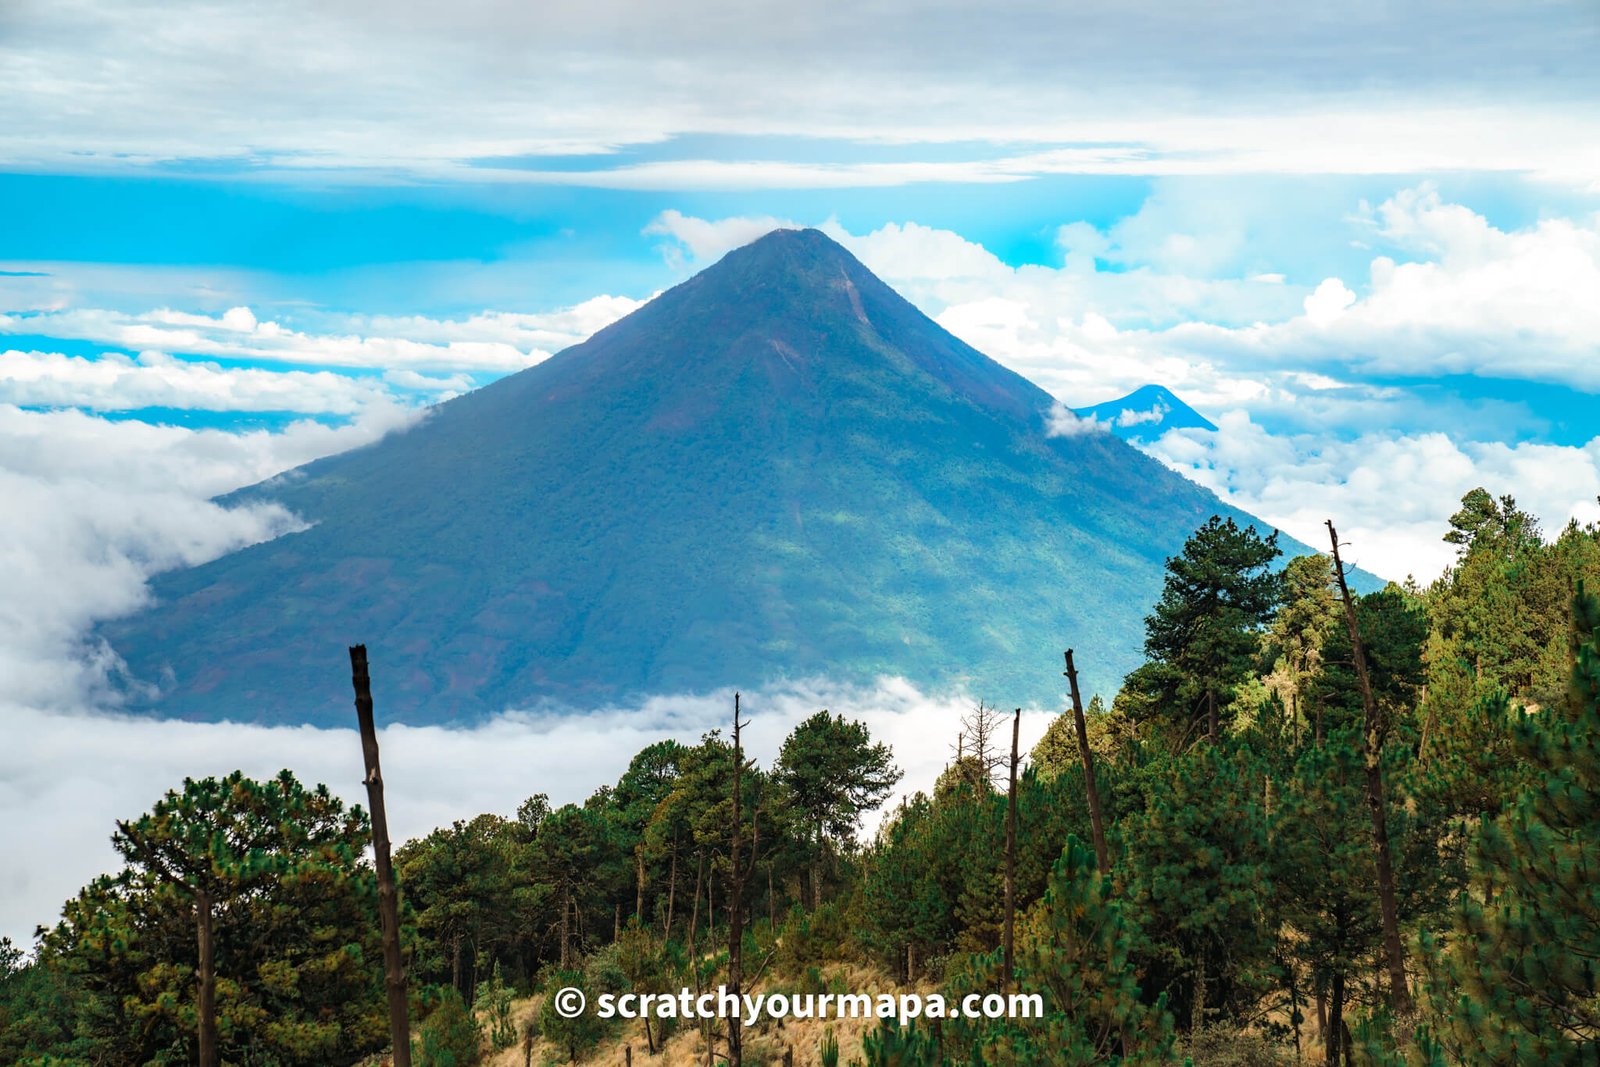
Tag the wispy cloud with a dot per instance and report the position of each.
(115, 382)
(1102, 87)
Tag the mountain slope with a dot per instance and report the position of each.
(779, 468)
(1145, 414)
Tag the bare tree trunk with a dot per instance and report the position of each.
(672, 892)
(1294, 1007)
(1011, 861)
(394, 974)
(206, 977)
(638, 892)
(736, 898)
(699, 878)
(1372, 757)
(1294, 710)
(1213, 720)
(1091, 787)
(1197, 1010)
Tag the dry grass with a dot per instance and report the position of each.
(763, 1045)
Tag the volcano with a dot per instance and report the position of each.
(779, 469)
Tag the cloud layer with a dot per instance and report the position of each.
(93, 508)
(65, 779)
(479, 92)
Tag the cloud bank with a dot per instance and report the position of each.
(65, 778)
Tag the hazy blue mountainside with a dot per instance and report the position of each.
(778, 468)
(1145, 414)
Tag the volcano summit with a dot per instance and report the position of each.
(779, 468)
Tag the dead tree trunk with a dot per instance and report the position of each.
(1372, 757)
(736, 877)
(566, 927)
(1091, 787)
(1011, 860)
(394, 974)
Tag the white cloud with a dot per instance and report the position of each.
(1062, 421)
(707, 241)
(420, 92)
(1328, 302)
(1472, 299)
(116, 382)
(58, 803)
(490, 341)
(1390, 494)
(93, 508)
(1129, 417)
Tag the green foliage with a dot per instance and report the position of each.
(832, 773)
(1198, 877)
(1517, 980)
(450, 1036)
(1072, 950)
(577, 1035)
(894, 1046)
(1218, 594)
(294, 924)
(456, 881)
(828, 1051)
(492, 1010)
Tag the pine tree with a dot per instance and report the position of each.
(1203, 635)
(1073, 952)
(270, 873)
(1518, 979)
(1198, 878)
(831, 773)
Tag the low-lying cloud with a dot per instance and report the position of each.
(66, 777)
(92, 508)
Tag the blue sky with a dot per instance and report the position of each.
(1362, 239)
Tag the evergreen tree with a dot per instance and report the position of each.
(832, 773)
(271, 873)
(1518, 979)
(1218, 594)
(1073, 952)
(456, 881)
(1198, 878)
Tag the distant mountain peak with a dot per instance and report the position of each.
(1145, 414)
